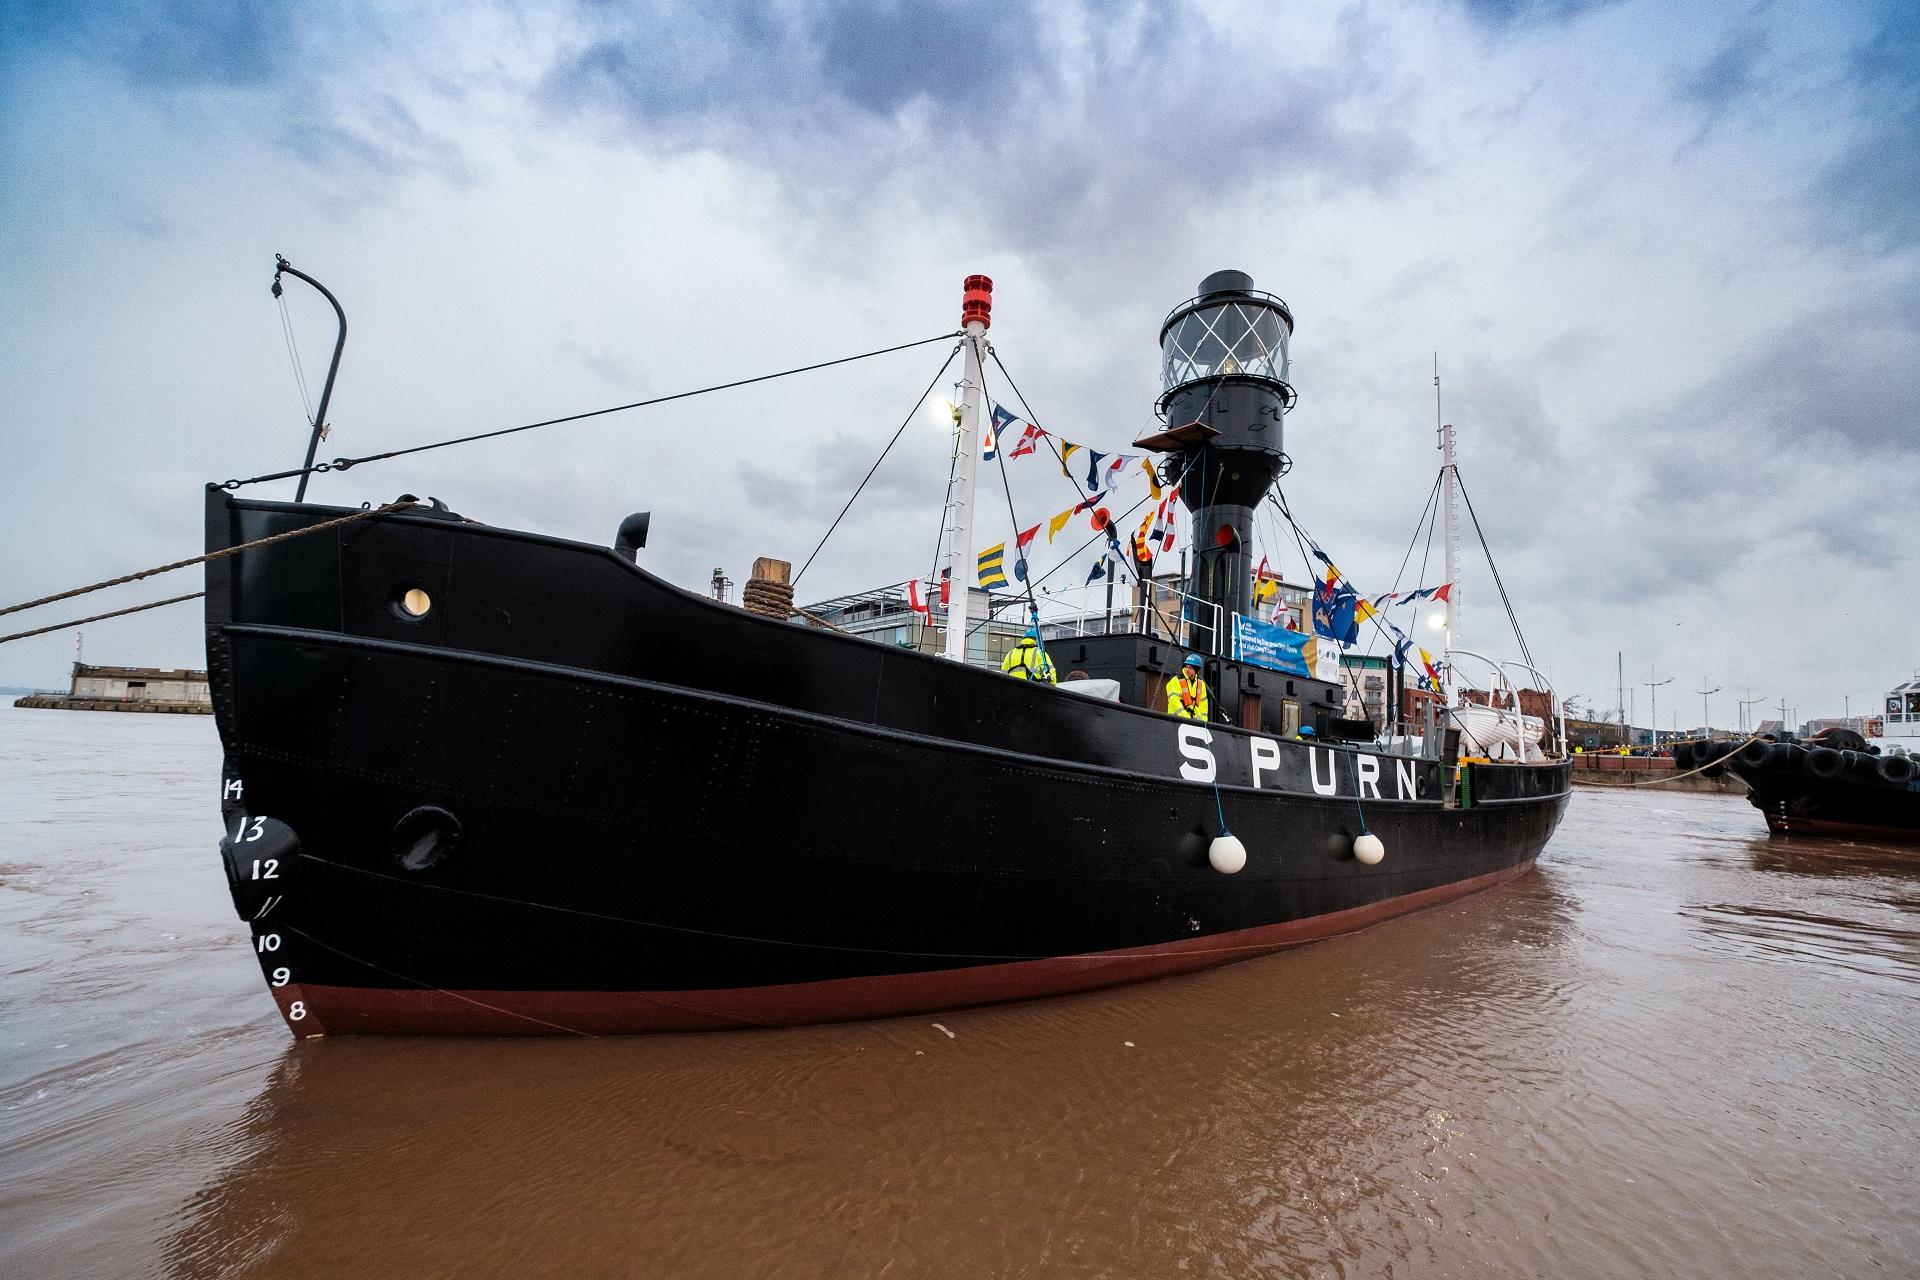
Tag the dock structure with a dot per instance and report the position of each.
(150, 689)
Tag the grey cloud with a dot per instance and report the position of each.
(378, 139)
(1090, 139)
(1515, 13)
(1867, 192)
(747, 60)
(606, 363)
(1731, 74)
(1806, 433)
(166, 42)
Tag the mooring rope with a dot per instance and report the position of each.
(81, 622)
(125, 578)
(1649, 782)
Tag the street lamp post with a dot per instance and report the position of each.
(1706, 717)
(1653, 701)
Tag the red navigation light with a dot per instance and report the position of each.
(976, 303)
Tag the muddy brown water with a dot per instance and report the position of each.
(1681, 1048)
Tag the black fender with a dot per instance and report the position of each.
(1825, 762)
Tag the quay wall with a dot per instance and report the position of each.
(1649, 773)
(67, 702)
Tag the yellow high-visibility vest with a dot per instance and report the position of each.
(1187, 698)
(1028, 661)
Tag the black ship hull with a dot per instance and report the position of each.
(571, 798)
(1815, 790)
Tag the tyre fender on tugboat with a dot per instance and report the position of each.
(1896, 768)
(1755, 754)
(1825, 762)
(1862, 764)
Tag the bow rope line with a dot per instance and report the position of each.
(123, 579)
(98, 617)
(343, 464)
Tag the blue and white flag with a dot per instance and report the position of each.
(998, 422)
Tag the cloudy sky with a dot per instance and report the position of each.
(1668, 254)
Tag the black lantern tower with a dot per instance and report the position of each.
(1223, 363)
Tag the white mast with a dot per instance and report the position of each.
(1451, 480)
(975, 314)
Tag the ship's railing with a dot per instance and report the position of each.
(1499, 678)
(1170, 611)
(1556, 708)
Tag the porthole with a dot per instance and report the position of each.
(414, 602)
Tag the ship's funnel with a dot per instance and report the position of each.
(1223, 365)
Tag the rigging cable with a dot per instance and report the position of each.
(1425, 521)
(293, 357)
(1512, 617)
(940, 534)
(343, 464)
(1074, 554)
(1426, 555)
(898, 432)
(1146, 583)
(1019, 558)
(1278, 498)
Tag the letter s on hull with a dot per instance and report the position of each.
(1199, 766)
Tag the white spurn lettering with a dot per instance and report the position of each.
(1332, 782)
(1404, 781)
(1193, 745)
(1368, 780)
(1266, 757)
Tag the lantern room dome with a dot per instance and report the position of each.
(1229, 328)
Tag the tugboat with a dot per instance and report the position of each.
(1838, 783)
(486, 781)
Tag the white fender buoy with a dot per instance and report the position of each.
(1226, 854)
(1368, 849)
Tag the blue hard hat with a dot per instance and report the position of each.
(1033, 633)
(1193, 660)
(1306, 731)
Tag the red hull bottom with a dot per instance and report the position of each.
(1791, 826)
(381, 1011)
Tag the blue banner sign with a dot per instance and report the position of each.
(1270, 645)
